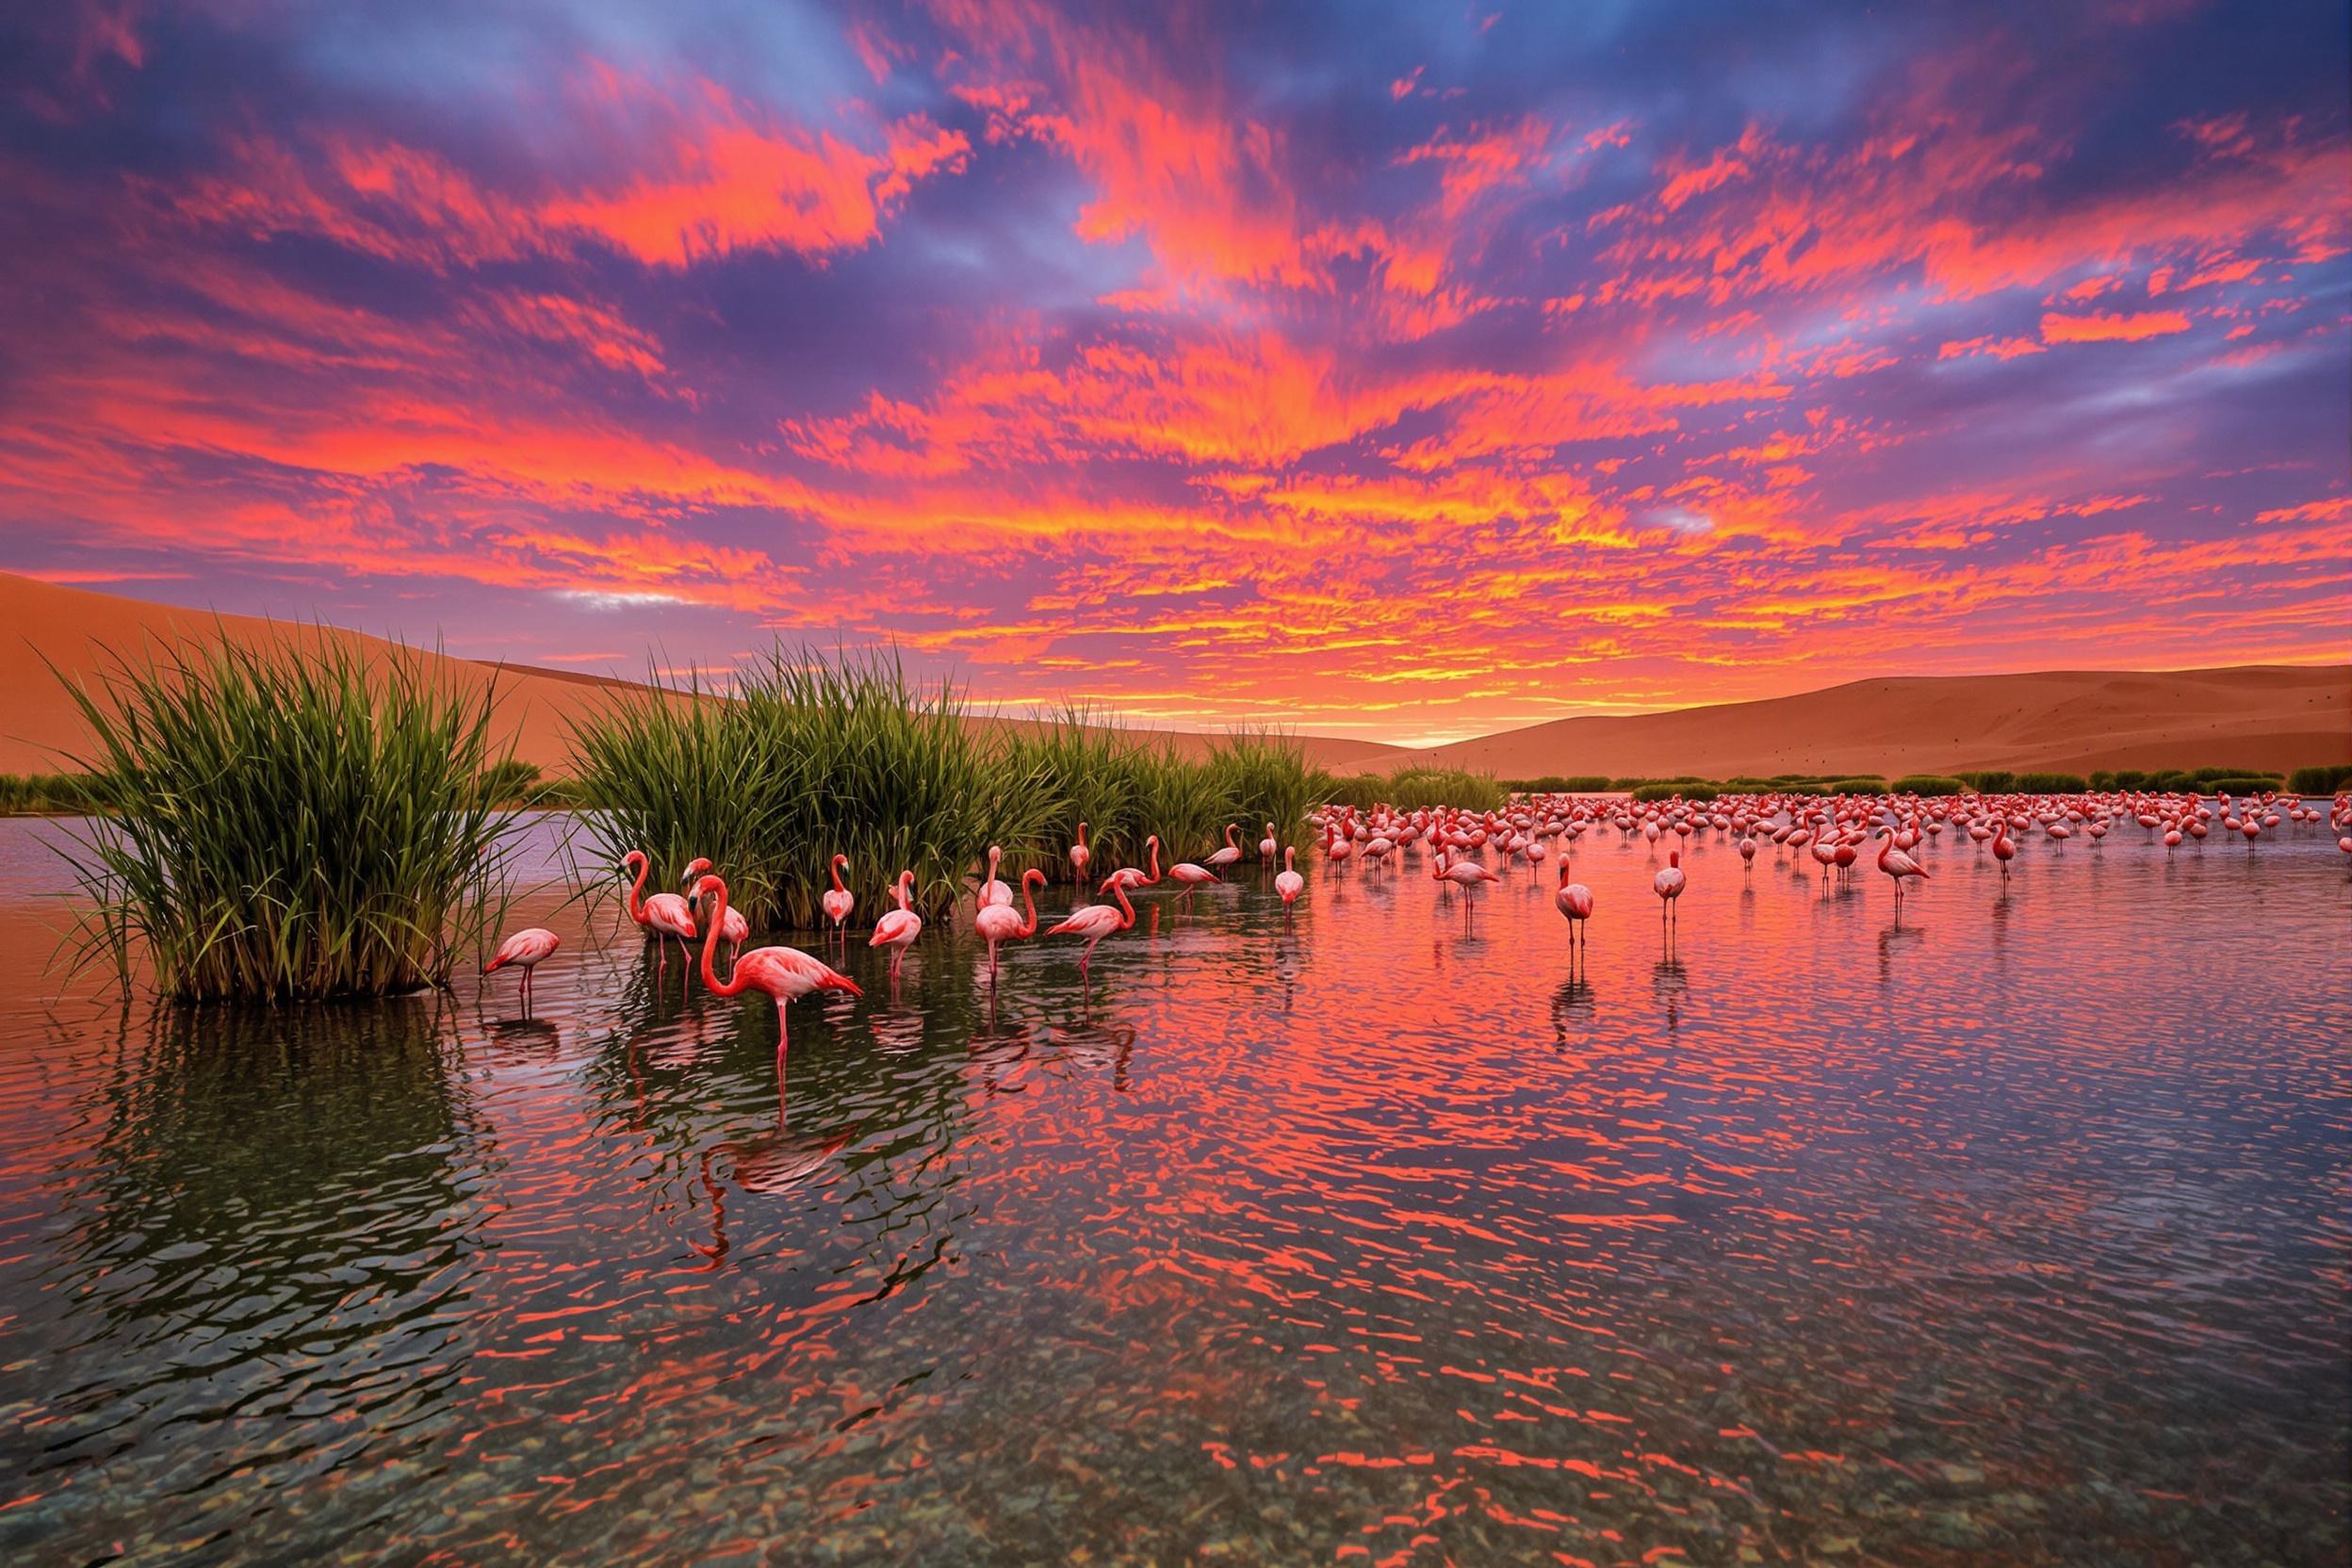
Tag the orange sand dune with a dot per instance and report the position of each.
(2282, 716)
(2278, 716)
(75, 630)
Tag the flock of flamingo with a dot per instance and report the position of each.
(1834, 831)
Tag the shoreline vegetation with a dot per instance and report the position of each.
(219, 771)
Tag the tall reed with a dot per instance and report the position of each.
(808, 756)
(288, 820)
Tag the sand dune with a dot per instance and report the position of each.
(74, 629)
(2282, 716)
(2078, 721)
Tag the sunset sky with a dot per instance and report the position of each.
(1407, 372)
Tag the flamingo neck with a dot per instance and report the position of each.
(737, 981)
(1029, 902)
(636, 889)
(835, 869)
(1127, 911)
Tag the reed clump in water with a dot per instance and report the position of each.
(809, 755)
(1415, 789)
(288, 820)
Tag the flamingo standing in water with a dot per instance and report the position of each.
(991, 890)
(780, 973)
(1465, 875)
(898, 929)
(1668, 885)
(523, 951)
(1079, 855)
(1095, 922)
(1288, 882)
(839, 901)
(737, 929)
(2003, 851)
(1574, 901)
(1268, 847)
(996, 923)
(664, 915)
(1230, 854)
(1128, 876)
(1897, 865)
(1187, 876)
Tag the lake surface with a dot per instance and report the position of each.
(2017, 1232)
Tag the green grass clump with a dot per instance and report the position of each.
(1417, 787)
(1669, 790)
(1928, 784)
(287, 821)
(2051, 783)
(2249, 784)
(2324, 780)
(1992, 782)
(809, 755)
(51, 794)
(1559, 784)
(1265, 776)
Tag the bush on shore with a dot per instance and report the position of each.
(2323, 780)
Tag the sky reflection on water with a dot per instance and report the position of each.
(2017, 1233)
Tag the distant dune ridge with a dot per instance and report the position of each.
(2263, 716)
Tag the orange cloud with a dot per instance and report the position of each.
(2112, 327)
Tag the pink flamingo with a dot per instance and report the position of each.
(1574, 901)
(1465, 875)
(2003, 851)
(839, 901)
(1095, 922)
(1897, 865)
(736, 930)
(1079, 855)
(1668, 885)
(991, 890)
(1268, 846)
(523, 951)
(1128, 876)
(997, 923)
(663, 915)
(898, 929)
(1230, 854)
(780, 973)
(1188, 876)
(1288, 882)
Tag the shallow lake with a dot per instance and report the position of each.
(2017, 1233)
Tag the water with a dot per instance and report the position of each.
(2017, 1232)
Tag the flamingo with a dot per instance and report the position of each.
(1288, 882)
(664, 915)
(1230, 854)
(1095, 922)
(2003, 851)
(997, 922)
(1465, 875)
(992, 890)
(1897, 865)
(1128, 876)
(839, 901)
(738, 930)
(1191, 876)
(898, 929)
(1267, 847)
(780, 973)
(1574, 901)
(1668, 885)
(1079, 855)
(523, 951)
